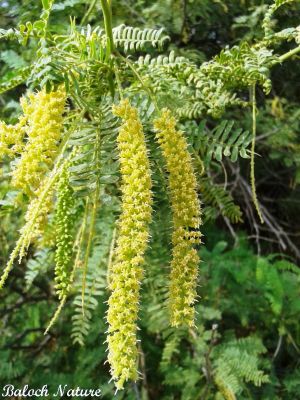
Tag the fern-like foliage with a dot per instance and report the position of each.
(267, 22)
(236, 362)
(145, 106)
(14, 79)
(21, 34)
(285, 265)
(218, 201)
(284, 35)
(133, 39)
(268, 276)
(212, 85)
(37, 29)
(96, 273)
(96, 159)
(125, 37)
(10, 368)
(171, 348)
(241, 65)
(199, 92)
(221, 141)
(170, 60)
(291, 383)
(95, 285)
(191, 110)
(40, 263)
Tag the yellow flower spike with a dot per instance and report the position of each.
(186, 220)
(126, 272)
(44, 115)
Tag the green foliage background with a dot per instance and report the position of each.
(247, 341)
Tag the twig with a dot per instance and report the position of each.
(270, 221)
(277, 347)
(208, 367)
(289, 54)
(143, 370)
(136, 391)
(252, 169)
(184, 20)
(88, 13)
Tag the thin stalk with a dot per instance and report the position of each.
(88, 13)
(289, 54)
(147, 88)
(56, 314)
(252, 163)
(81, 235)
(106, 9)
(89, 245)
(111, 255)
(119, 84)
(92, 223)
(200, 162)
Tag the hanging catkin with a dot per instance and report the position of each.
(64, 230)
(126, 272)
(42, 123)
(186, 219)
(64, 226)
(44, 116)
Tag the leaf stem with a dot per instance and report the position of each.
(91, 235)
(289, 54)
(252, 164)
(106, 9)
(88, 13)
(139, 77)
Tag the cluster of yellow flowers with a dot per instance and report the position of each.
(126, 271)
(11, 138)
(44, 117)
(186, 219)
(35, 137)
